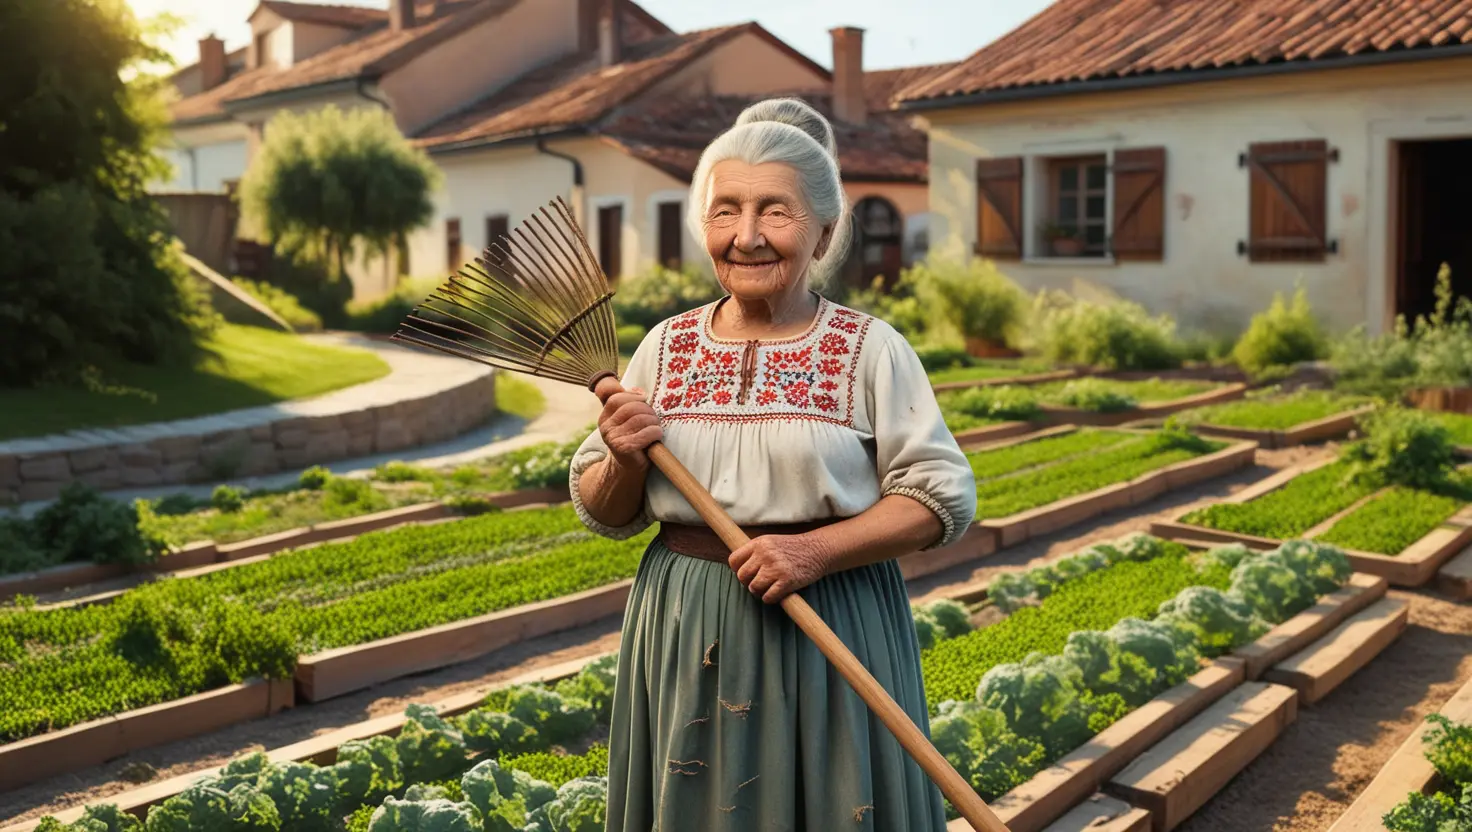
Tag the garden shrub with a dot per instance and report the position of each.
(896, 305)
(973, 300)
(630, 336)
(1434, 351)
(1095, 395)
(314, 478)
(1282, 335)
(662, 293)
(227, 498)
(1402, 447)
(1113, 336)
(383, 315)
(83, 524)
(1004, 402)
(282, 303)
(937, 357)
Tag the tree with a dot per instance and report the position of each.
(88, 273)
(327, 179)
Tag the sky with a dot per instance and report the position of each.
(898, 32)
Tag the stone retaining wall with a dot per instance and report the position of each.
(291, 443)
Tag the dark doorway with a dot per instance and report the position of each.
(1434, 223)
(878, 242)
(610, 241)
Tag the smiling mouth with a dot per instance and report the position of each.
(743, 265)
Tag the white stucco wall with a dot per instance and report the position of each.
(747, 65)
(308, 39)
(1203, 281)
(205, 156)
(480, 60)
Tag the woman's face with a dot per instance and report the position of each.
(758, 230)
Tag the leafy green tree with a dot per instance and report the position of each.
(328, 179)
(87, 271)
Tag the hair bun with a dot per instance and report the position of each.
(796, 113)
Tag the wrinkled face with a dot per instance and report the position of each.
(758, 230)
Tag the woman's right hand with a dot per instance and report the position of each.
(629, 426)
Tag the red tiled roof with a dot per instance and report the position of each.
(881, 86)
(671, 134)
(349, 17)
(1093, 40)
(575, 91)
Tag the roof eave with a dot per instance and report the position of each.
(200, 121)
(276, 97)
(506, 140)
(1177, 78)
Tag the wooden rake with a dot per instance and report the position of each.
(537, 302)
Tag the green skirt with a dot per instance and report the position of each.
(727, 718)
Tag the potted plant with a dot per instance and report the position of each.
(1063, 240)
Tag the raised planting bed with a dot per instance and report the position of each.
(1401, 533)
(267, 613)
(1100, 813)
(995, 373)
(1068, 628)
(1180, 774)
(238, 524)
(1281, 421)
(1455, 578)
(1459, 426)
(1407, 772)
(973, 413)
(1328, 662)
(1036, 485)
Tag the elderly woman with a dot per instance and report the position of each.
(815, 427)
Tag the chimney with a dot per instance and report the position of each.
(211, 62)
(849, 103)
(400, 14)
(610, 32)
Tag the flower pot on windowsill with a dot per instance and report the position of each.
(1448, 399)
(1066, 246)
(987, 348)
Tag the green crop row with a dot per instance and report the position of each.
(1278, 412)
(1449, 808)
(1029, 489)
(986, 464)
(1392, 521)
(1306, 501)
(179, 637)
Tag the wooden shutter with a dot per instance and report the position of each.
(1288, 193)
(670, 235)
(498, 226)
(610, 240)
(1139, 204)
(999, 208)
(454, 259)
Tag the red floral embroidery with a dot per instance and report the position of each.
(828, 384)
(684, 342)
(846, 326)
(833, 344)
(796, 393)
(670, 402)
(825, 403)
(686, 322)
(766, 396)
(830, 367)
(696, 393)
(679, 364)
(721, 397)
(675, 383)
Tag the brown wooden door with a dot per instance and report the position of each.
(498, 227)
(610, 240)
(671, 235)
(454, 252)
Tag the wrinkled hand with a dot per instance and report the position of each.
(774, 566)
(629, 426)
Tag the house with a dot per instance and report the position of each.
(521, 101)
(1200, 155)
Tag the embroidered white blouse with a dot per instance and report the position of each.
(817, 426)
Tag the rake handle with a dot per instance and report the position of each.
(941, 772)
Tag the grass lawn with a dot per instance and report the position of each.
(241, 367)
(518, 396)
(1275, 412)
(1459, 425)
(994, 368)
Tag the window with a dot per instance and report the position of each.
(1288, 184)
(671, 235)
(498, 226)
(880, 233)
(263, 52)
(1078, 190)
(610, 240)
(454, 258)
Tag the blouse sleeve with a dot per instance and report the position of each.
(639, 373)
(917, 455)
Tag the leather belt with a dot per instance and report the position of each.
(702, 541)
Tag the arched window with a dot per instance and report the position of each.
(878, 241)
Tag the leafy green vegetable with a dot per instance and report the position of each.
(1306, 501)
(1392, 521)
(425, 816)
(1439, 812)
(939, 620)
(581, 806)
(1096, 395)
(206, 808)
(987, 464)
(1401, 447)
(1278, 412)
(429, 747)
(555, 769)
(1450, 748)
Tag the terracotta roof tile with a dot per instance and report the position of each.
(352, 17)
(1092, 40)
(882, 85)
(573, 92)
(671, 134)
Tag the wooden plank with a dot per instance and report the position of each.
(1406, 771)
(1328, 662)
(1022, 381)
(1052, 792)
(1417, 565)
(975, 543)
(991, 433)
(1302, 630)
(321, 749)
(1455, 578)
(343, 670)
(1102, 813)
(1332, 426)
(1181, 773)
(94, 743)
(1044, 433)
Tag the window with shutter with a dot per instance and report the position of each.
(453, 256)
(610, 234)
(999, 208)
(670, 235)
(1288, 193)
(498, 226)
(1139, 204)
(1078, 189)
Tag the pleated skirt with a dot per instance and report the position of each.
(727, 718)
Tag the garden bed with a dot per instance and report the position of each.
(1035, 485)
(1281, 421)
(1406, 772)
(979, 412)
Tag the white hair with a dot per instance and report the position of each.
(789, 131)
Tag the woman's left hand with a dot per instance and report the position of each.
(774, 566)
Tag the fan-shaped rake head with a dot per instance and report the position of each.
(534, 302)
